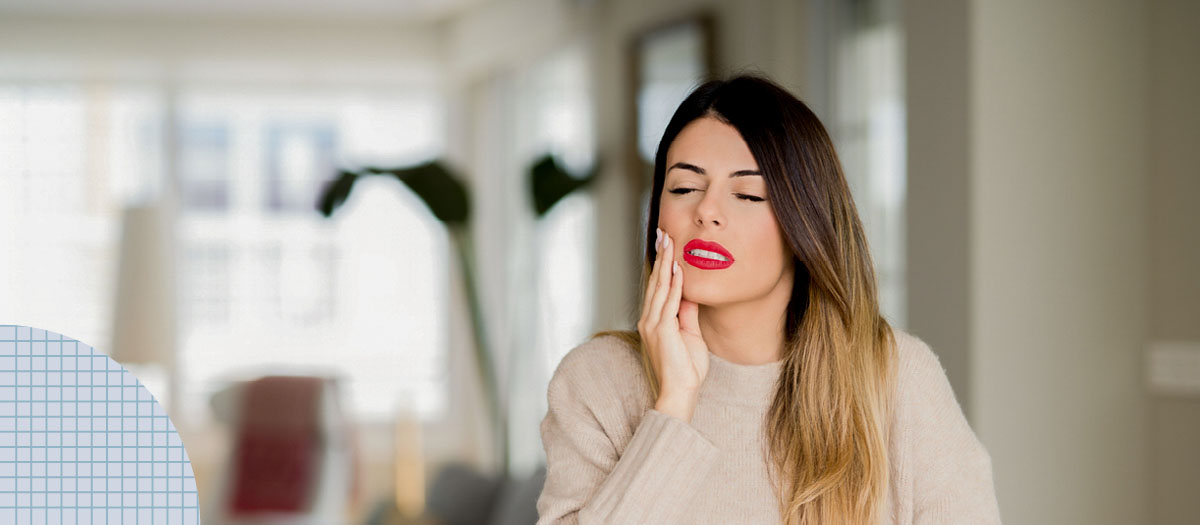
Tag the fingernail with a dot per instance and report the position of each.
(676, 268)
(658, 240)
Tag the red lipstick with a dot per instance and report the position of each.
(709, 257)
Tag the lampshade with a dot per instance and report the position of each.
(144, 323)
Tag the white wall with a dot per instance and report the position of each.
(1059, 256)
(1053, 206)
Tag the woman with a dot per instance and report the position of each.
(762, 384)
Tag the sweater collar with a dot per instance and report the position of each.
(745, 385)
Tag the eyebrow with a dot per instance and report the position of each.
(698, 169)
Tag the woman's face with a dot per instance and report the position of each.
(713, 192)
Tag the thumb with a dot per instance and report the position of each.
(689, 316)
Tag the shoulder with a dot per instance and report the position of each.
(603, 351)
(912, 347)
(917, 364)
(925, 401)
(922, 389)
(947, 465)
(602, 369)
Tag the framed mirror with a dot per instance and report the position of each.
(666, 62)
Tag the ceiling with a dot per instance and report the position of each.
(414, 10)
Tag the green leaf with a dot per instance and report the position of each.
(432, 182)
(336, 192)
(549, 183)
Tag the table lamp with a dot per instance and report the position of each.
(144, 320)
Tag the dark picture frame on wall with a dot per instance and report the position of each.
(666, 61)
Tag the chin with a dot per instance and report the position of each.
(707, 295)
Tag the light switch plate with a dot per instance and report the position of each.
(1174, 368)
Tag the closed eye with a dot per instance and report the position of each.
(743, 196)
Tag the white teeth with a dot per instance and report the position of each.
(708, 255)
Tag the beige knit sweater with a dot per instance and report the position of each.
(612, 458)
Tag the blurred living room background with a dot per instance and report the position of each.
(1026, 171)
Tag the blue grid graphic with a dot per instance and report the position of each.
(82, 441)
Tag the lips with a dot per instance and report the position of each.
(705, 261)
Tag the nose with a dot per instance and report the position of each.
(709, 210)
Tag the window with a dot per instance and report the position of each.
(63, 167)
(205, 176)
(300, 156)
(266, 284)
(866, 121)
(275, 287)
(557, 97)
(547, 264)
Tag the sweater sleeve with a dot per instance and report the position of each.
(953, 471)
(590, 480)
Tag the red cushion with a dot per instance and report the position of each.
(277, 446)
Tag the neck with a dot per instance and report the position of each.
(749, 333)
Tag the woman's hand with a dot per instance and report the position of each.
(671, 332)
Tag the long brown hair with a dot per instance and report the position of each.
(827, 427)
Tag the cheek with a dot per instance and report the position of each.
(772, 250)
(668, 208)
(672, 216)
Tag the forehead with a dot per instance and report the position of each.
(712, 145)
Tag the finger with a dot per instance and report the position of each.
(672, 308)
(689, 323)
(648, 295)
(663, 285)
(689, 317)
